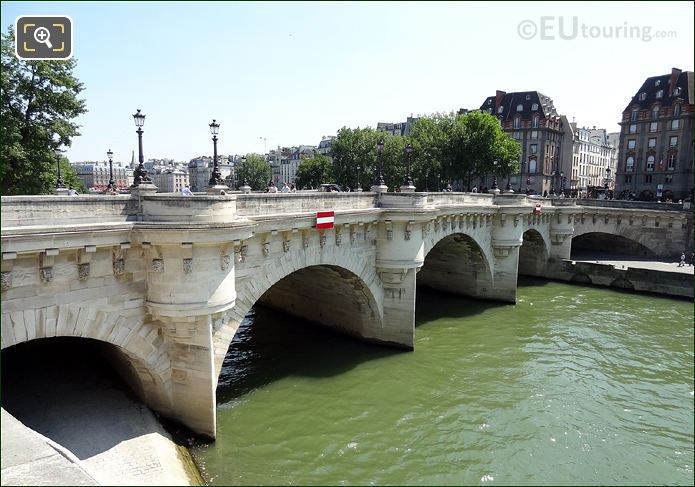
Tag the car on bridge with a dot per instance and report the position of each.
(330, 188)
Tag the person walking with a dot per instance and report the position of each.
(682, 262)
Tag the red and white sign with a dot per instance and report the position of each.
(325, 219)
(537, 209)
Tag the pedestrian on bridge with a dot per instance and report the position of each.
(682, 262)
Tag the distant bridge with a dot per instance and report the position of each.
(167, 279)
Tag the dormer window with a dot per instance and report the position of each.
(535, 122)
(534, 106)
(642, 96)
(500, 109)
(489, 102)
(660, 94)
(528, 97)
(489, 110)
(520, 108)
(677, 91)
(657, 82)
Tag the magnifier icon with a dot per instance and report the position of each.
(43, 36)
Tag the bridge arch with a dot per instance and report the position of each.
(456, 263)
(337, 288)
(533, 253)
(587, 242)
(134, 348)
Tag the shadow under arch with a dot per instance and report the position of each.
(457, 265)
(54, 384)
(533, 254)
(591, 243)
(324, 294)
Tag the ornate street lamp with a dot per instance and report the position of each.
(359, 188)
(379, 179)
(216, 176)
(408, 181)
(140, 173)
(59, 181)
(111, 185)
(494, 178)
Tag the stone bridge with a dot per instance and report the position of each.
(165, 280)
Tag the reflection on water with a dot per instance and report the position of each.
(573, 385)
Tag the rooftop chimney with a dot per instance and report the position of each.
(499, 95)
(675, 74)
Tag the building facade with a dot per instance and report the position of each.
(97, 175)
(656, 140)
(593, 160)
(169, 180)
(533, 121)
(401, 129)
(200, 170)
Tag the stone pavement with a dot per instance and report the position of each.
(31, 459)
(625, 261)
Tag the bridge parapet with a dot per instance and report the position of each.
(64, 210)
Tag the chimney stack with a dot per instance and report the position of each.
(675, 74)
(499, 95)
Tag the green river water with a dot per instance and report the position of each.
(573, 385)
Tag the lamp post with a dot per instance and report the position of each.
(140, 173)
(245, 188)
(379, 185)
(494, 189)
(359, 188)
(111, 185)
(408, 186)
(216, 176)
(59, 181)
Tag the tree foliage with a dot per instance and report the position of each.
(255, 170)
(315, 171)
(39, 103)
(446, 148)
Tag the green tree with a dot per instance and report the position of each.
(352, 148)
(255, 170)
(39, 103)
(315, 171)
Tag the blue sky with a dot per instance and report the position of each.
(292, 72)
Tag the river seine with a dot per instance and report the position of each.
(573, 385)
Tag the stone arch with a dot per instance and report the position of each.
(581, 278)
(533, 253)
(621, 283)
(349, 278)
(457, 264)
(138, 352)
(588, 241)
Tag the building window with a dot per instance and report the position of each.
(642, 96)
(676, 109)
(633, 128)
(628, 178)
(630, 164)
(489, 110)
(659, 94)
(517, 122)
(528, 97)
(532, 166)
(534, 106)
(500, 109)
(675, 124)
(520, 108)
(535, 122)
(534, 148)
(669, 179)
(517, 135)
(650, 163)
(633, 115)
(652, 142)
(655, 112)
(677, 91)
(657, 82)
(672, 160)
(648, 178)
(631, 143)
(534, 134)
(673, 142)
(653, 126)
